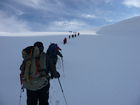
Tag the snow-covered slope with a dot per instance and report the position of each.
(98, 70)
(129, 27)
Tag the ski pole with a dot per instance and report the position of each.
(22, 90)
(62, 91)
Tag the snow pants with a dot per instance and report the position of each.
(39, 97)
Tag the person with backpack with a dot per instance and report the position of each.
(65, 40)
(35, 74)
(78, 33)
(52, 54)
(69, 36)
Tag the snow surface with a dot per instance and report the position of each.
(129, 27)
(98, 70)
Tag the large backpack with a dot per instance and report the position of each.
(33, 72)
(26, 55)
(52, 52)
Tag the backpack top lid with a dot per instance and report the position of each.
(27, 52)
(53, 49)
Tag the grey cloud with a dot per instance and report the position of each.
(12, 24)
(42, 15)
(130, 3)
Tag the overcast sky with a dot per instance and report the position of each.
(63, 15)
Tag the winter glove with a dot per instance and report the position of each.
(55, 75)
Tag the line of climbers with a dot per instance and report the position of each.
(65, 40)
(37, 69)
